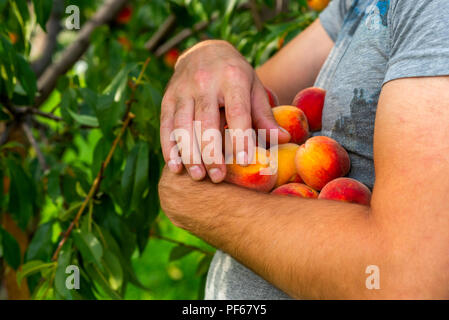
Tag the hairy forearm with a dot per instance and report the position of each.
(307, 248)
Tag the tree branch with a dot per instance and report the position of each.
(256, 16)
(184, 34)
(33, 142)
(161, 32)
(47, 82)
(49, 46)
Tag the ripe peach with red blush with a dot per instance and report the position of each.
(347, 190)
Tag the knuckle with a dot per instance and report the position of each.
(201, 103)
(236, 73)
(202, 79)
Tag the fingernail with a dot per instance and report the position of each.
(215, 175)
(242, 158)
(173, 166)
(196, 172)
(284, 131)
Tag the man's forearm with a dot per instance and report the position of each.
(307, 248)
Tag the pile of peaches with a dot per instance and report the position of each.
(307, 167)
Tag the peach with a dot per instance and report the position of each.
(311, 102)
(272, 98)
(321, 160)
(285, 160)
(124, 16)
(258, 176)
(296, 189)
(348, 190)
(171, 57)
(294, 121)
(317, 5)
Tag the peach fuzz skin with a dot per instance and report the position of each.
(285, 159)
(296, 189)
(321, 160)
(318, 5)
(347, 190)
(311, 102)
(250, 176)
(294, 121)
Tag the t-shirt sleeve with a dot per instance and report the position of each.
(333, 16)
(419, 39)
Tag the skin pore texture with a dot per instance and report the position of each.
(320, 249)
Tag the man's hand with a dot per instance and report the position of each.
(210, 75)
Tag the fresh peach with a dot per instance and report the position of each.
(294, 121)
(296, 189)
(321, 160)
(348, 190)
(124, 16)
(258, 175)
(311, 102)
(284, 157)
(317, 5)
(171, 57)
(272, 98)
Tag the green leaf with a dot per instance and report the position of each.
(11, 249)
(203, 265)
(33, 267)
(179, 252)
(129, 173)
(21, 194)
(43, 10)
(141, 174)
(26, 77)
(101, 281)
(108, 113)
(64, 260)
(118, 85)
(41, 246)
(88, 244)
(114, 272)
(84, 119)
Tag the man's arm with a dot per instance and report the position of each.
(320, 249)
(297, 65)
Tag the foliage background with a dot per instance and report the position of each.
(52, 147)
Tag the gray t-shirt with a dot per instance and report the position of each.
(376, 41)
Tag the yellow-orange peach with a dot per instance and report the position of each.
(296, 189)
(321, 160)
(317, 5)
(294, 121)
(311, 102)
(257, 176)
(284, 157)
(348, 190)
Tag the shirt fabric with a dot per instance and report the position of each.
(376, 41)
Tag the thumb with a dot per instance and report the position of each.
(262, 115)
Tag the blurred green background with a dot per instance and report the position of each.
(69, 98)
